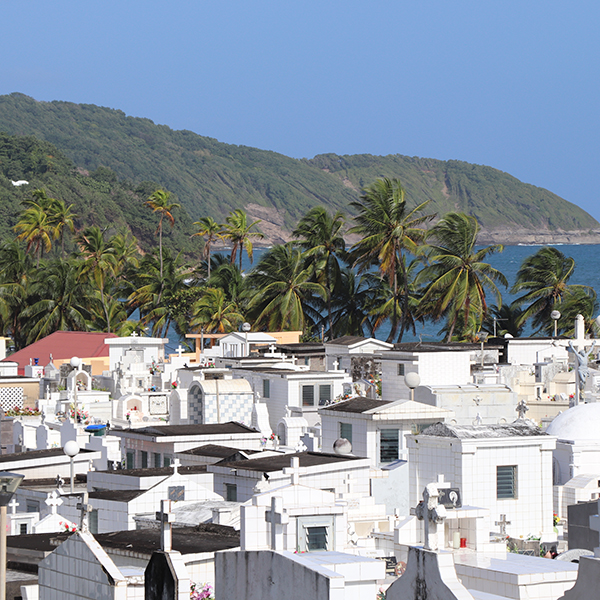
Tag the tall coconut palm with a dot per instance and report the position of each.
(211, 231)
(320, 237)
(98, 263)
(282, 290)
(238, 231)
(544, 278)
(457, 277)
(350, 306)
(215, 313)
(160, 202)
(35, 228)
(61, 216)
(389, 229)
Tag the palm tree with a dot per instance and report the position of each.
(215, 313)
(238, 231)
(62, 301)
(322, 242)
(389, 229)
(282, 290)
(159, 202)
(209, 229)
(350, 303)
(35, 228)
(507, 319)
(457, 278)
(61, 217)
(544, 277)
(579, 301)
(99, 263)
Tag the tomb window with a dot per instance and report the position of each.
(315, 534)
(93, 521)
(324, 394)
(32, 506)
(144, 456)
(346, 431)
(401, 370)
(130, 462)
(308, 395)
(231, 492)
(166, 461)
(157, 461)
(506, 482)
(23, 528)
(266, 388)
(389, 443)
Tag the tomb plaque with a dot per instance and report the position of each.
(450, 497)
(158, 405)
(177, 493)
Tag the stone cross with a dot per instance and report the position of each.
(166, 518)
(272, 348)
(134, 334)
(278, 518)
(336, 364)
(502, 523)
(521, 409)
(84, 509)
(432, 514)
(13, 505)
(53, 501)
(294, 470)
(180, 349)
(176, 464)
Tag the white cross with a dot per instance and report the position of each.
(432, 514)
(180, 349)
(134, 334)
(84, 509)
(336, 364)
(166, 518)
(53, 501)
(502, 523)
(176, 464)
(294, 470)
(13, 505)
(272, 348)
(278, 518)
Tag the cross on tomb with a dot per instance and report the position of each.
(166, 518)
(294, 470)
(13, 505)
(84, 509)
(53, 501)
(134, 334)
(336, 364)
(272, 348)
(278, 518)
(502, 523)
(432, 514)
(176, 464)
(180, 349)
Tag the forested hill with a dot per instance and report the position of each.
(212, 178)
(98, 197)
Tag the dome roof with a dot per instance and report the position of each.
(582, 422)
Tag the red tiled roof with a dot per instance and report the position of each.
(62, 345)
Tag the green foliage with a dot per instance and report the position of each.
(212, 179)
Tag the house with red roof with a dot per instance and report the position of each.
(64, 345)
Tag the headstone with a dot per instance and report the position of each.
(166, 518)
(432, 514)
(53, 501)
(278, 518)
(502, 523)
(84, 509)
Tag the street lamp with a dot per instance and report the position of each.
(9, 482)
(71, 449)
(555, 316)
(483, 336)
(412, 380)
(246, 327)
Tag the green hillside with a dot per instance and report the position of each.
(99, 198)
(212, 178)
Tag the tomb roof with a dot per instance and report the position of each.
(348, 340)
(117, 495)
(37, 454)
(483, 431)
(156, 471)
(357, 405)
(443, 346)
(215, 450)
(201, 429)
(579, 423)
(282, 461)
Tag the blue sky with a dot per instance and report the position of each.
(510, 84)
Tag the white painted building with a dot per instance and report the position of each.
(341, 351)
(504, 468)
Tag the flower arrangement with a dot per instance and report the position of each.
(153, 368)
(68, 526)
(380, 594)
(174, 385)
(17, 411)
(273, 437)
(82, 415)
(203, 592)
(555, 520)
